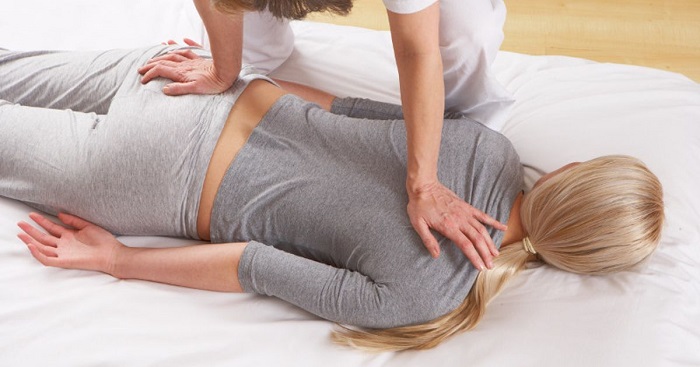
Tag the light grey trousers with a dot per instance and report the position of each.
(79, 133)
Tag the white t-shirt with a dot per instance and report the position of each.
(267, 41)
(471, 32)
(407, 6)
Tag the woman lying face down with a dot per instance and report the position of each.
(307, 205)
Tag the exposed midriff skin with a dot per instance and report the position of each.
(246, 113)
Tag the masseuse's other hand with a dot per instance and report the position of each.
(77, 245)
(437, 207)
(190, 73)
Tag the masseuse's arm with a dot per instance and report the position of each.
(431, 205)
(86, 246)
(194, 75)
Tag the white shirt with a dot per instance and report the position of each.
(407, 6)
(471, 32)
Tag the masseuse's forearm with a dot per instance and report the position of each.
(423, 104)
(416, 47)
(225, 39)
(211, 267)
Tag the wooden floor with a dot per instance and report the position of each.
(664, 34)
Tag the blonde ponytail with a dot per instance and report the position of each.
(598, 217)
(488, 284)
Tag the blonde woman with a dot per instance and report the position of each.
(299, 203)
(443, 49)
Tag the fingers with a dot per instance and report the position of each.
(470, 236)
(192, 43)
(178, 89)
(468, 240)
(170, 60)
(188, 54)
(476, 230)
(175, 55)
(428, 239)
(163, 70)
(37, 236)
(436, 207)
(51, 227)
(44, 258)
(480, 240)
(488, 220)
(73, 221)
(49, 251)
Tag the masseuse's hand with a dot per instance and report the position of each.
(437, 207)
(77, 245)
(190, 73)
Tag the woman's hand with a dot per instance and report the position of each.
(435, 206)
(191, 73)
(78, 245)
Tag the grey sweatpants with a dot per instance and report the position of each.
(79, 133)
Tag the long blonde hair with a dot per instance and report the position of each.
(601, 216)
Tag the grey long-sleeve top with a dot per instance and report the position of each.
(321, 199)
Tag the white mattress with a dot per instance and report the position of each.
(567, 109)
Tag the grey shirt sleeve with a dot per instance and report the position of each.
(373, 110)
(366, 108)
(337, 294)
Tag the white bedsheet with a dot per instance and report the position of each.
(567, 109)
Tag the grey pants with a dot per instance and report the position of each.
(79, 133)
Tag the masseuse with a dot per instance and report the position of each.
(443, 52)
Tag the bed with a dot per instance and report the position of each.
(566, 109)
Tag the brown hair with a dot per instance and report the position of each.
(289, 9)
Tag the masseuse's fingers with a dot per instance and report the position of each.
(488, 220)
(476, 219)
(428, 239)
(473, 227)
(182, 84)
(480, 240)
(191, 76)
(479, 226)
(163, 69)
(192, 43)
(438, 208)
(451, 228)
(175, 55)
(179, 89)
(169, 59)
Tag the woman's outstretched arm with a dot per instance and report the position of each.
(83, 245)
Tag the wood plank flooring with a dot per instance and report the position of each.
(663, 34)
